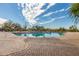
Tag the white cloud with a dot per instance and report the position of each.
(48, 14)
(51, 4)
(2, 21)
(47, 21)
(61, 10)
(31, 10)
(67, 8)
(52, 20)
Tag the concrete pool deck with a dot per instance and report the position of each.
(13, 45)
(71, 37)
(9, 43)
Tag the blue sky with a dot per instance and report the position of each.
(55, 16)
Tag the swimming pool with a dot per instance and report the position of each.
(40, 34)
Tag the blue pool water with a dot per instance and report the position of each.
(40, 34)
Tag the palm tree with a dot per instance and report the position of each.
(74, 11)
(25, 27)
